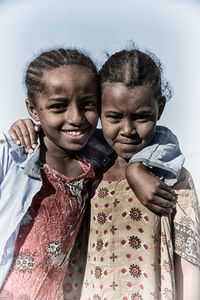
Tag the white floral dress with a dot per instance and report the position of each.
(130, 251)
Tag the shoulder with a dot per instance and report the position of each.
(184, 181)
(5, 144)
(187, 200)
(6, 141)
(9, 151)
(186, 219)
(164, 134)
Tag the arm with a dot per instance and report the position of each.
(150, 190)
(97, 151)
(163, 158)
(187, 278)
(156, 195)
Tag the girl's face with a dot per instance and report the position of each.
(67, 107)
(129, 117)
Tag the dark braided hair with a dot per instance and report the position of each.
(133, 67)
(49, 60)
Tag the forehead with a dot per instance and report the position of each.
(68, 77)
(117, 94)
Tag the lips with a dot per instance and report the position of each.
(128, 142)
(74, 132)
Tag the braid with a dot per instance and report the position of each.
(133, 67)
(50, 60)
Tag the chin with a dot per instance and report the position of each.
(125, 156)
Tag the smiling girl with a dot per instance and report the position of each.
(43, 195)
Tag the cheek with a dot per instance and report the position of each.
(92, 118)
(109, 132)
(49, 121)
(146, 130)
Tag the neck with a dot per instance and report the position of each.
(58, 159)
(117, 170)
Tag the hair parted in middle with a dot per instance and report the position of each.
(134, 67)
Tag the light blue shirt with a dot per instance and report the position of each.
(16, 194)
(162, 155)
(20, 179)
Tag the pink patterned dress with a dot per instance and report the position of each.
(130, 251)
(46, 237)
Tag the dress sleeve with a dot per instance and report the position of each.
(186, 231)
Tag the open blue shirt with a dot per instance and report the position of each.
(20, 178)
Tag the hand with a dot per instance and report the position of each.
(23, 132)
(150, 190)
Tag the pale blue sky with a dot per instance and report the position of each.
(170, 28)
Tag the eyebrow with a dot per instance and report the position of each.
(58, 99)
(66, 98)
(143, 112)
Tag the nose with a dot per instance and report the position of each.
(128, 127)
(74, 115)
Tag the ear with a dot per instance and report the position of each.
(161, 106)
(32, 110)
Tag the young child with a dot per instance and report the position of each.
(133, 253)
(43, 195)
(130, 145)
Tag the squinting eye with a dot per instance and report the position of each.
(89, 104)
(143, 119)
(114, 117)
(57, 106)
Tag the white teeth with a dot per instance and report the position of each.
(74, 132)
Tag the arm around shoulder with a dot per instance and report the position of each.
(163, 154)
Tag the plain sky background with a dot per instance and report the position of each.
(170, 28)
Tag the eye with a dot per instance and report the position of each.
(142, 118)
(90, 104)
(58, 106)
(113, 117)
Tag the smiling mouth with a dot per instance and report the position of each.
(74, 132)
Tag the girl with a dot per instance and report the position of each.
(43, 196)
(133, 253)
(140, 148)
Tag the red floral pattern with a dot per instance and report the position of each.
(46, 237)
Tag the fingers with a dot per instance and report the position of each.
(166, 187)
(160, 201)
(166, 195)
(38, 128)
(23, 132)
(14, 135)
(161, 211)
(166, 192)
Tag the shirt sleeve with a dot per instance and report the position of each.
(97, 151)
(162, 155)
(4, 157)
(186, 231)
